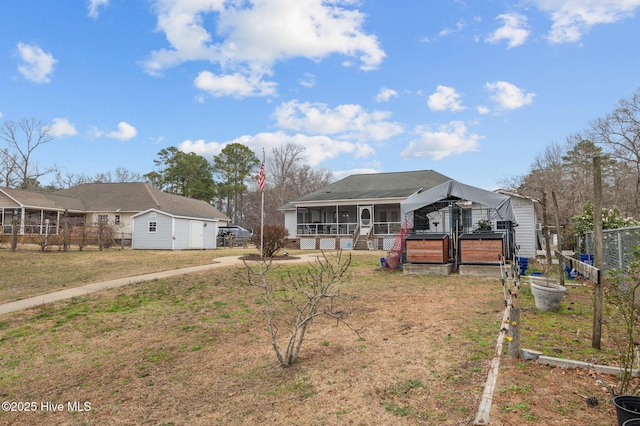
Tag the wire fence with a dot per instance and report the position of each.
(618, 246)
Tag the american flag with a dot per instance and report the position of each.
(261, 178)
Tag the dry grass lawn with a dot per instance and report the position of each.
(191, 350)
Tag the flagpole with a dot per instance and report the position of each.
(262, 212)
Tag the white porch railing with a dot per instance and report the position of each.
(326, 228)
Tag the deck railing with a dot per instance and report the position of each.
(379, 228)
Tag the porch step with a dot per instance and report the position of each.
(361, 244)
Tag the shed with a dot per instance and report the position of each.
(155, 229)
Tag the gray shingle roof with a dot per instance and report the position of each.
(44, 199)
(137, 197)
(376, 185)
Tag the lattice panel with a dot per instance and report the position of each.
(387, 242)
(346, 243)
(307, 243)
(327, 243)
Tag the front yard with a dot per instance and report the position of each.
(193, 350)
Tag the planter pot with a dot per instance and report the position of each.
(546, 293)
(632, 422)
(627, 408)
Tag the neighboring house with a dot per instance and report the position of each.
(122, 205)
(364, 212)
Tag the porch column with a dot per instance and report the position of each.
(41, 220)
(22, 213)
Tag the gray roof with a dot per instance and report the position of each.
(137, 197)
(375, 186)
(44, 200)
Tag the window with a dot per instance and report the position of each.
(116, 220)
(153, 226)
(103, 218)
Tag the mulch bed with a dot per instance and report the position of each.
(257, 257)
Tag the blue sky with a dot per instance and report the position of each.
(472, 89)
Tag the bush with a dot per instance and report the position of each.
(275, 237)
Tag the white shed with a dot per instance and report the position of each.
(155, 229)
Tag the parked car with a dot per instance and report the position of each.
(236, 231)
(234, 236)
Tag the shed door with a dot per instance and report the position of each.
(197, 234)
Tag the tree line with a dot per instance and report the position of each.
(566, 169)
(228, 181)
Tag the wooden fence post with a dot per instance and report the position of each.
(514, 333)
(597, 252)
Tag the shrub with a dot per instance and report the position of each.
(275, 237)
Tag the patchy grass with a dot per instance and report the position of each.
(194, 350)
(29, 272)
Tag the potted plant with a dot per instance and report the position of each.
(547, 291)
(483, 226)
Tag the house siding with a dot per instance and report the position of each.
(526, 229)
(290, 220)
(162, 239)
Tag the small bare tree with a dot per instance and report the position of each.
(311, 294)
(623, 309)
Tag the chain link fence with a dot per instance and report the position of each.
(618, 244)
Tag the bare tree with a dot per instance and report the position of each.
(69, 179)
(619, 133)
(287, 178)
(23, 138)
(122, 174)
(8, 168)
(310, 294)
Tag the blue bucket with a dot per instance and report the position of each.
(571, 273)
(587, 258)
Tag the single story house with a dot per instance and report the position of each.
(366, 212)
(123, 206)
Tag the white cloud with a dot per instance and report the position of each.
(308, 81)
(448, 140)
(515, 30)
(386, 94)
(349, 121)
(573, 18)
(235, 85)
(459, 26)
(125, 132)
(36, 64)
(62, 127)
(482, 109)
(445, 98)
(509, 96)
(318, 148)
(0, 115)
(251, 36)
(94, 5)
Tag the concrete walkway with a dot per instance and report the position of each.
(42, 299)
